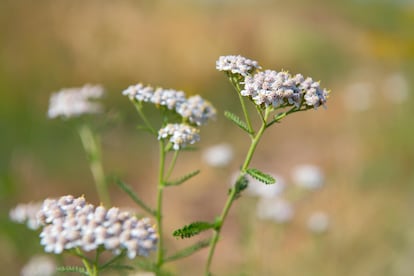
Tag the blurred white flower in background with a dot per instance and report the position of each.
(262, 190)
(73, 102)
(219, 155)
(308, 177)
(39, 266)
(275, 209)
(358, 96)
(26, 213)
(318, 222)
(396, 88)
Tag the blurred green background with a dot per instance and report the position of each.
(362, 50)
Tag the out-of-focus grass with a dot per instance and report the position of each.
(367, 156)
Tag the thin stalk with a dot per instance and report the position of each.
(160, 188)
(144, 118)
(246, 114)
(91, 269)
(231, 197)
(92, 148)
(172, 165)
(236, 86)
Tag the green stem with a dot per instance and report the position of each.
(138, 106)
(93, 150)
(172, 165)
(90, 268)
(160, 188)
(246, 114)
(236, 86)
(233, 192)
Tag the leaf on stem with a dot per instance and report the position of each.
(128, 190)
(76, 269)
(193, 229)
(235, 119)
(182, 179)
(188, 250)
(261, 176)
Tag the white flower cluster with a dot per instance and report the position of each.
(179, 135)
(197, 110)
(272, 88)
(26, 213)
(73, 102)
(72, 223)
(237, 65)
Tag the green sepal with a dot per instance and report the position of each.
(76, 269)
(182, 179)
(188, 250)
(193, 229)
(235, 119)
(128, 190)
(261, 176)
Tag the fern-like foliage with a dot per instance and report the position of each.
(76, 269)
(193, 229)
(182, 179)
(235, 119)
(261, 176)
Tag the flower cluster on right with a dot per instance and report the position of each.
(272, 88)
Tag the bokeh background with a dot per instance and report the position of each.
(362, 50)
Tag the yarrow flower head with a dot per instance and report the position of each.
(73, 102)
(278, 89)
(197, 110)
(70, 222)
(26, 213)
(180, 135)
(237, 65)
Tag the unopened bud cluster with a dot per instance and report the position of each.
(179, 135)
(70, 222)
(197, 110)
(73, 102)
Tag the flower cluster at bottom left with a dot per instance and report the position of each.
(70, 222)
